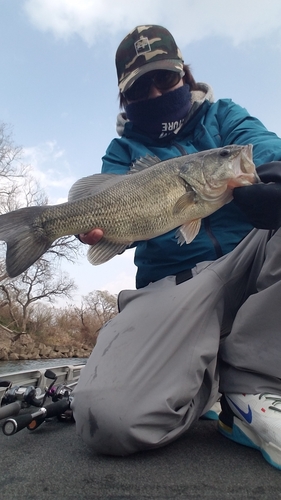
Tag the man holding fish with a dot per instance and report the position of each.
(205, 318)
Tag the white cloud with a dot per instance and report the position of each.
(51, 169)
(189, 20)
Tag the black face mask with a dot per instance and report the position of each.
(162, 115)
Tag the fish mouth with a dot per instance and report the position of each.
(246, 162)
(244, 169)
(242, 163)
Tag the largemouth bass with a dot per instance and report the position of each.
(157, 197)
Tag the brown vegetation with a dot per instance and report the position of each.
(55, 332)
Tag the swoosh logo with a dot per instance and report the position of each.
(247, 416)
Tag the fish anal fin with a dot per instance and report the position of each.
(187, 232)
(105, 250)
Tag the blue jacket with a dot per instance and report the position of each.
(213, 125)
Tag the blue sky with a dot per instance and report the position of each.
(59, 88)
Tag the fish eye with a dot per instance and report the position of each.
(224, 152)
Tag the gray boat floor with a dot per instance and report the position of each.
(52, 462)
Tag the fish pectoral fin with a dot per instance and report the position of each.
(105, 250)
(187, 199)
(93, 184)
(187, 232)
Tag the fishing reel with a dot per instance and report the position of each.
(26, 395)
(58, 392)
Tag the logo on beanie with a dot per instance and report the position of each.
(142, 45)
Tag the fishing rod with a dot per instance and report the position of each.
(60, 407)
(33, 420)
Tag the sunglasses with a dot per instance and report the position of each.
(161, 79)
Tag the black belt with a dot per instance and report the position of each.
(183, 276)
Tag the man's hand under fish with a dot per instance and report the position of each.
(92, 237)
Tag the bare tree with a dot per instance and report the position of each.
(18, 186)
(9, 153)
(43, 280)
(100, 304)
(37, 283)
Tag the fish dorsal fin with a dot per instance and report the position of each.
(184, 201)
(105, 250)
(187, 232)
(93, 184)
(143, 162)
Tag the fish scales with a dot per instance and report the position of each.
(156, 197)
(150, 208)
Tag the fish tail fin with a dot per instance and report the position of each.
(26, 240)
